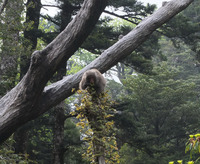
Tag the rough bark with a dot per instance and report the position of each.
(28, 100)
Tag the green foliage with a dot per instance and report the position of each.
(8, 156)
(94, 114)
(102, 37)
(193, 145)
(10, 44)
(79, 60)
(193, 11)
(39, 143)
(47, 32)
(161, 110)
(141, 58)
(115, 89)
(72, 143)
(126, 153)
(185, 28)
(133, 7)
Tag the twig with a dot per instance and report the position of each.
(122, 17)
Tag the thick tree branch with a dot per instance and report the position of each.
(21, 103)
(28, 100)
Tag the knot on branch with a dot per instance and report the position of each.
(36, 58)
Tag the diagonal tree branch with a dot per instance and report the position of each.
(28, 100)
(21, 103)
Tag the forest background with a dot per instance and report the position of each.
(156, 87)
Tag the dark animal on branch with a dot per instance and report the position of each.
(93, 79)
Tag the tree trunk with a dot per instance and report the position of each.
(20, 137)
(32, 16)
(58, 145)
(29, 99)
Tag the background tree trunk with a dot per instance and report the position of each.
(32, 16)
(20, 137)
(58, 144)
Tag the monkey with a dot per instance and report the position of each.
(93, 79)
